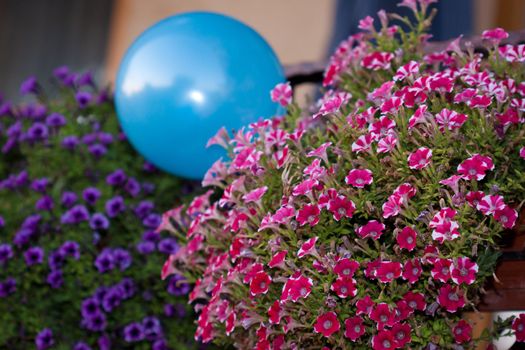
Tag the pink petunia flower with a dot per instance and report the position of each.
(260, 283)
(494, 36)
(415, 301)
(522, 152)
(346, 267)
(506, 217)
(364, 306)
(354, 328)
(168, 268)
(344, 287)
(409, 69)
(275, 312)
(255, 195)
(359, 178)
(406, 239)
(384, 126)
(451, 298)
(388, 271)
(474, 168)
(282, 93)
(441, 270)
(450, 120)
(474, 197)
(384, 339)
(320, 152)
(383, 315)
(401, 332)
(309, 214)
(489, 204)
(463, 271)
(447, 231)
(332, 102)
(366, 24)
(387, 144)
(513, 53)
(363, 143)
(327, 324)
(452, 182)
(377, 60)
(412, 270)
(296, 288)
(419, 159)
(391, 106)
(518, 325)
(419, 116)
(341, 207)
(307, 248)
(278, 259)
(462, 332)
(304, 187)
(373, 229)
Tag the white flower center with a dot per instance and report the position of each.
(327, 324)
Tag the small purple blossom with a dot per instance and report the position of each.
(83, 98)
(40, 185)
(105, 138)
(151, 236)
(148, 187)
(31, 222)
(55, 260)
(127, 287)
(143, 209)
(22, 237)
(145, 247)
(34, 256)
(91, 195)
(99, 293)
(29, 86)
(178, 286)
(71, 249)
(22, 178)
(97, 150)
(152, 221)
(89, 139)
(112, 299)
(90, 307)
(132, 187)
(116, 178)
(168, 246)
(44, 339)
(55, 120)
(148, 167)
(99, 222)
(133, 332)
(45, 203)
(115, 206)
(85, 79)
(68, 199)
(70, 142)
(122, 258)
(75, 215)
(152, 328)
(160, 344)
(7, 287)
(55, 279)
(81, 346)
(37, 132)
(105, 261)
(6, 253)
(61, 72)
(96, 322)
(104, 343)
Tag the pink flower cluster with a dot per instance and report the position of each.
(369, 221)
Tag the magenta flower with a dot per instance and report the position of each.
(363, 143)
(464, 271)
(341, 207)
(255, 195)
(415, 301)
(462, 332)
(332, 102)
(450, 120)
(406, 239)
(282, 93)
(260, 283)
(275, 313)
(451, 298)
(474, 168)
(297, 287)
(278, 259)
(307, 248)
(495, 36)
(388, 271)
(354, 328)
(488, 205)
(383, 315)
(344, 287)
(407, 70)
(359, 178)
(387, 144)
(507, 217)
(441, 270)
(412, 270)
(518, 325)
(419, 159)
(373, 229)
(366, 24)
(345, 267)
(383, 340)
(309, 214)
(327, 324)
(377, 61)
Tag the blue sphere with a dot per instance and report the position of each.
(186, 77)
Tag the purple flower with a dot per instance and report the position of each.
(81, 346)
(45, 203)
(127, 287)
(97, 149)
(152, 328)
(83, 98)
(22, 178)
(148, 187)
(96, 322)
(34, 256)
(61, 72)
(160, 344)
(145, 247)
(55, 260)
(104, 343)
(90, 307)
(112, 299)
(99, 222)
(152, 221)
(7, 287)
(5, 108)
(9, 145)
(105, 261)
(115, 206)
(132, 187)
(70, 248)
(44, 339)
(177, 310)
(144, 208)
(22, 237)
(89, 139)
(116, 178)
(37, 132)
(55, 279)
(40, 185)
(2, 222)
(6, 253)
(31, 222)
(75, 215)
(99, 293)
(148, 167)
(133, 332)
(168, 246)
(68, 199)
(122, 258)
(105, 138)
(29, 86)
(55, 120)
(178, 286)
(151, 236)
(91, 195)
(85, 79)
(70, 142)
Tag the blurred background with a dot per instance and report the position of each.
(36, 36)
